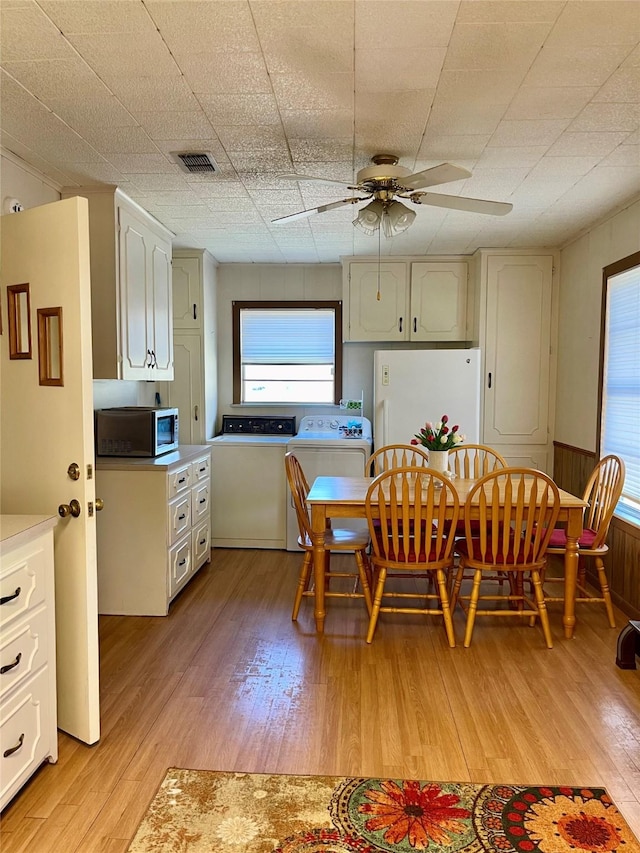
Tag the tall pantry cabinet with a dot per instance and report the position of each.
(514, 326)
(194, 387)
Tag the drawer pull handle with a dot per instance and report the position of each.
(202, 541)
(182, 562)
(15, 748)
(182, 517)
(8, 667)
(182, 480)
(204, 468)
(7, 598)
(203, 500)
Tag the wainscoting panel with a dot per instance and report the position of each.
(572, 467)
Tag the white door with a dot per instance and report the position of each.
(46, 428)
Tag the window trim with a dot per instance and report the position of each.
(608, 272)
(283, 305)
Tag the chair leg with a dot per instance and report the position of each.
(473, 607)
(377, 601)
(303, 582)
(446, 611)
(456, 586)
(364, 580)
(542, 607)
(606, 594)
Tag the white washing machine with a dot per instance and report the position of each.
(331, 446)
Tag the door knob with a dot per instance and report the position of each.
(72, 508)
(99, 504)
(74, 471)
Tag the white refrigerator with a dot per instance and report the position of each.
(411, 387)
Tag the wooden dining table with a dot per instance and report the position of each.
(344, 497)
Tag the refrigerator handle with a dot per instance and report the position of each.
(489, 384)
(385, 422)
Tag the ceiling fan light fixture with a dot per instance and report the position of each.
(397, 218)
(369, 217)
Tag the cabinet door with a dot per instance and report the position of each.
(133, 249)
(438, 301)
(186, 293)
(186, 390)
(160, 302)
(378, 319)
(517, 341)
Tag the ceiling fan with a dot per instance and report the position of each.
(385, 182)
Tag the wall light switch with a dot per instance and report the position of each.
(385, 374)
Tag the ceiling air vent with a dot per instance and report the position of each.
(196, 163)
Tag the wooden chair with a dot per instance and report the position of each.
(395, 456)
(602, 493)
(335, 540)
(411, 503)
(472, 461)
(527, 503)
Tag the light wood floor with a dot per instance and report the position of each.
(228, 682)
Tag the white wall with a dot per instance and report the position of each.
(19, 181)
(581, 264)
(246, 282)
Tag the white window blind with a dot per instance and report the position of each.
(620, 433)
(288, 355)
(291, 336)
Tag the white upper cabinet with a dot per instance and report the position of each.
(131, 295)
(187, 299)
(439, 301)
(402, 300)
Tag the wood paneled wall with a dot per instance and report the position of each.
(571, 469)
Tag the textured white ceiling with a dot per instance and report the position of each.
(540, 99)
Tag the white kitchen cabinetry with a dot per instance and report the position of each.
(131, 296)
(405, 300)
(28, 706)
(515, 335)
(154, 532)
(194, 388)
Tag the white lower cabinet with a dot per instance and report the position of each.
(28, 706)
(154, 532)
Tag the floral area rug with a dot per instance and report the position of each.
(196, 811)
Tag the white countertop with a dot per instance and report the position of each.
(16, 529)
(184, 453)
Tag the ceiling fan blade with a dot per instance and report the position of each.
(455, 202)
(442, 174)
(322, 209)
(292, 177)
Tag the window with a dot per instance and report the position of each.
(620, 387)
(287, 352)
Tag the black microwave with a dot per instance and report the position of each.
(136, 431)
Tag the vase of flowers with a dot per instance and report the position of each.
(438, 439)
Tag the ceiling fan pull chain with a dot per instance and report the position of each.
(378, 293)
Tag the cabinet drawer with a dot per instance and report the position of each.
(200, 501)
(22, 584)
(201, 543)
(24, 724)
(179, 517)
(179, 565)
(23, 650)
(201, 468)
(179, 480)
